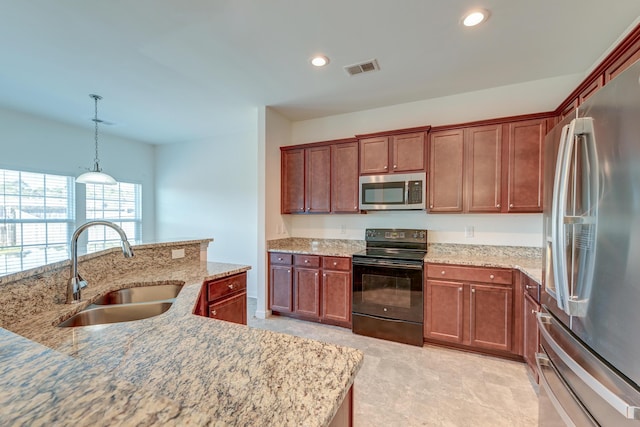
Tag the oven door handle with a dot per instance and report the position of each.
(419, 266)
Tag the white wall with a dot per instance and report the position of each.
(513, 230)
(36, 144)
(209, 188)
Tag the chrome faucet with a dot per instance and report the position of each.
(77, 283)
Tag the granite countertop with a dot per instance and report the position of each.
(176, 368)
(526, 259)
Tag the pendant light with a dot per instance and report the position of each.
(96, 176)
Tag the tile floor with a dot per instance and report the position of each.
(403, 385)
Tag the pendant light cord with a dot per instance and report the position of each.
(96, 160)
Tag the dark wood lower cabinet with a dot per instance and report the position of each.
(311, 287)
(472, 308)
(531, 334)
(224, 299)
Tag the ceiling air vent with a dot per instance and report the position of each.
(363, 67)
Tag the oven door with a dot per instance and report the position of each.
(389, 289)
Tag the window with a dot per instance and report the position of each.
(37, 216)
(120, 204)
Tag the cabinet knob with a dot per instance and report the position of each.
(533, 311)
(395, 166)
(335, 263)
(430, 206)
(511, 205)
(279, 259)
(385, 309)
(213, 313)
(301, 209)
(355, 208)
(288, 271)
(443, 272)
(492, 277)
(529, 287)
(473, 291)
(498, 205)
(316, 274)
(306, 261)
(385, 167)
(231, 286)
(324, 275)
(460, 289)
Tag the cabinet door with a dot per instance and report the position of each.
(630, 55)
(491, 317)
(292, 181)
(446, 162)
(483, 171)
(525, 172)
(344, 178)
(318, 182)
(336, 297)
(233, 309)
(531, 334)
(306, 293)
(408, 152)
(374, 155)
(444, 311)
(281, 288)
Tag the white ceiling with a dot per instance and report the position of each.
(181, 70)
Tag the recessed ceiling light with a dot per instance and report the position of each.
(319, 61)
(475, 17)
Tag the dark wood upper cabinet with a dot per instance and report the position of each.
(292, 181)
(446, 169)
(630, 55)
(390, 152)
(483, 171)
(525, 154)
(344, 178)
(374, 155)
(318, 182)
(408, 152)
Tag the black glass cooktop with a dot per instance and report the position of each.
(388, 253)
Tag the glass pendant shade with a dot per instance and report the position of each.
(96, 176)
(93, 177)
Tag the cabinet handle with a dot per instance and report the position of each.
(492, 277)
(214, 313)
(529, 287)
(443, 272)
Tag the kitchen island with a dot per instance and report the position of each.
(173, 369)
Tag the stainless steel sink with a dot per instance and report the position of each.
(140, 294)
(116, 313)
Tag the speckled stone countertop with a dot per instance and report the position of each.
(525, 259)
(173, 369)
(323, 247)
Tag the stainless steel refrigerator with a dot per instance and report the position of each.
(589, 363)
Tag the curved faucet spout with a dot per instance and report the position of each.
(76, 282)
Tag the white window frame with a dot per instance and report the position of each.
(49, 251)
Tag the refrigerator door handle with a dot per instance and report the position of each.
(545, 367)
(629, 411)
(557, 230)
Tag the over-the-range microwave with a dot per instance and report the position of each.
(393, 191)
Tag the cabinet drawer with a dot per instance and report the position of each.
(307, 260)
(531, 287)
(280, 258)
(336, 263)
(227, 286)
(470, 274)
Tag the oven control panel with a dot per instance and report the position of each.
(395, 235)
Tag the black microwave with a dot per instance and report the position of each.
(393, 191)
